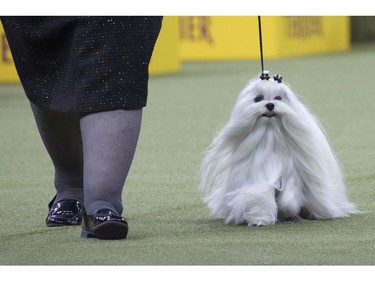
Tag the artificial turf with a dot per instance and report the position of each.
(169, 223)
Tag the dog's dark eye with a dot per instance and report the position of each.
(277, 98)
(259, 98)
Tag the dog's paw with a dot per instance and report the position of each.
(261, 221)
(253, 204)
(260, 217)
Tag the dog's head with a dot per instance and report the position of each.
(267, 96)
(267, 100)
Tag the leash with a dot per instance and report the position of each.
(264, 75)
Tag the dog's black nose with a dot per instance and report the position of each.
(270, 106)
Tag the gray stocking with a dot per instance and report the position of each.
(109, 142)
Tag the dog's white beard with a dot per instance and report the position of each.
(259, 170)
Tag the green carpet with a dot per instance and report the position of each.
(169, 223)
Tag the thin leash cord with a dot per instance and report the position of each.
(264, 75)
(260, 43)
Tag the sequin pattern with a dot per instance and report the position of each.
(83, 64)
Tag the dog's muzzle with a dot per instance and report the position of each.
(270, 113)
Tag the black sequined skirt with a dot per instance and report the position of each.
(83, 64)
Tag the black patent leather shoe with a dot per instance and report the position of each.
(65, 212)
(105, 224)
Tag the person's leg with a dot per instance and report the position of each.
(109, 143)
(61, 136)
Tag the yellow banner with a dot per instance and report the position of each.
(166, 57)
(237, 37)
(8, 72)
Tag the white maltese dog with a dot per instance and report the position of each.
(272, 161)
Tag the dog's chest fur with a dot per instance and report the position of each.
(269, 160)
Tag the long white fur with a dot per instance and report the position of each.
(259, 170)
